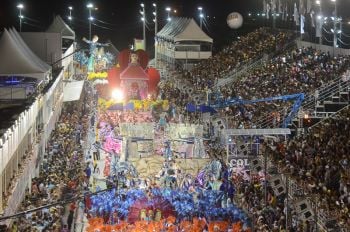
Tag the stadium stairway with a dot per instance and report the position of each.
(317, 105)
(324, 102)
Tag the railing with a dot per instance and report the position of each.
(324, 93)
(297, 192)
(242, 69)
(309, 104)
(332, 115)
(239, 71)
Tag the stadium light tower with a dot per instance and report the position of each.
(20, 6)
(143, 18)
(201, 16)
(90, 6)
(168, 9)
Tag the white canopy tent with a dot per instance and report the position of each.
(59, 26)
(29, 52)
(183, 29)
(72, 91)
(17, 59)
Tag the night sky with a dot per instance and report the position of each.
(121, 18)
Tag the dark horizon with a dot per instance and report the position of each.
(120, 21)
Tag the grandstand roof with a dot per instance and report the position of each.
(183, 29)
(16, 59)
(59, 26)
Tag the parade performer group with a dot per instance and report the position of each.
(171, 200)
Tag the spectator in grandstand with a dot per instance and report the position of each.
(319, 164)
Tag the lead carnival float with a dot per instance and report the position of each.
(158, 175)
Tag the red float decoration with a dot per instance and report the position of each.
(143, 58)
(114, 77)
(124, 58)
(154, 78)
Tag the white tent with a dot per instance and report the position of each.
(59, 26)
(28, 51)
(183, 29)
(17, 59)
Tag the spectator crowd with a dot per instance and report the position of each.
(317, 161)
(62, 175)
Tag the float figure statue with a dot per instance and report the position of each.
(93, 50)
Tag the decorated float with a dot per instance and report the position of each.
(157, 172)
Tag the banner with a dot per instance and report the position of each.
(296, 15)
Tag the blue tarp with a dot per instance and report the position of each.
(117, 106)
(206, 109)
(129, 106)
(200, 108)
(120, 106)
(190, 107)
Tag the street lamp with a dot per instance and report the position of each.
(335, 21)
(155, 20)
(168, 9)
(90, 6)
(20, 7)
(200, 9)
(70, 8)
(143, 18)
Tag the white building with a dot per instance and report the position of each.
(29, 109)
(182, 43)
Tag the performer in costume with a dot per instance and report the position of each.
(167, 150)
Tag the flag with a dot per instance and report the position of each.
(280, 6)
(308, 5)
(312, 16)
(296, 15)
(302, 20)
(273, 4)
(264, 6)
(301, 7)
(268, 10)
(285, 12)
(319, 28)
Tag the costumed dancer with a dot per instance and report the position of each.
(162, 121)
(167, 150)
